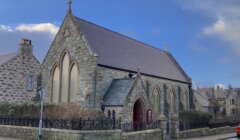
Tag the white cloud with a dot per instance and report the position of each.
(41, 35)
(220, 86)
(42, 27)
(227, 31)
(217, 28)
(225, 16)
(6, 28)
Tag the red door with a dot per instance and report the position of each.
(137, 115)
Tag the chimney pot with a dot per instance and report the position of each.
(26, 42)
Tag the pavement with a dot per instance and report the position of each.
(5, 138)
(229, 136)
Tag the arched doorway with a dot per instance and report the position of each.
(138, 115)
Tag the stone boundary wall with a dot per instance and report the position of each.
(154, 134)
(31, 133)
(205, 132)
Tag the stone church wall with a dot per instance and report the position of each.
(118, 112)
(14, 79)
(137, 93)
(105, 76)
(93, 80)
(70, 40)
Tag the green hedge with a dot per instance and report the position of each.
(195, 116)
(51, 111)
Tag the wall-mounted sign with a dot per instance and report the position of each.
(149, 116)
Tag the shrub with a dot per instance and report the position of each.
(50, 111)
(195, 116)
(70, 111)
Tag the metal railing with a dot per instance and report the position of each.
(184, 125)
(81, 124)
(74, 124)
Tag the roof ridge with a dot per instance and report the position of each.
(201, 95)
(179, 67)
(150, 46)
(8, 54)
(124, 79)
(7, 57)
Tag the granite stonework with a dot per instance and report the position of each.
(68, 39)
(105, 76)
(14, 75)
(144, 90)
(205, 132)
(96, 80)
(31, 133)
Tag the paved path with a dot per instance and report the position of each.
(5, 138)
(230, 136)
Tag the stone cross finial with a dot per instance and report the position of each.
(69, 3)
(166, 48)
(69, 6)
(138, 70)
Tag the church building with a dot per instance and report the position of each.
(102, 69)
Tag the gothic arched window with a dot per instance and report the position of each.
(185, 101)
(113, 115)
(109, 114)
(156, 99)
(55, 85)
(172, 101)
(73, 82)
(65, 78)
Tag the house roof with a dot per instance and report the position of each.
(118, 51)
(203, 101)
(206, 93)
(118, 91)
(6, 57)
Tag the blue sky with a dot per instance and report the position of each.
(203, 35)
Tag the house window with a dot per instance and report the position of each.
(232, 101)
(30, 82)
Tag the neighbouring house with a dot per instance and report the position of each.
(19, 73)
(232, 102)
(219, 101)
(203, 100)
(102, 69)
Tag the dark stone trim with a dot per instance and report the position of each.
(113, 105)
(144, 74)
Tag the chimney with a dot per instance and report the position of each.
(25, 47)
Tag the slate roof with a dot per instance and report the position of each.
(201, 99)
(6, 57)
(118, 51)
(118, 91)
(206, 93)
